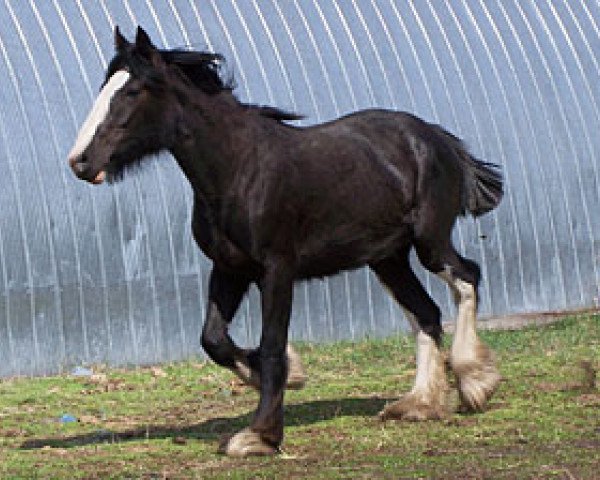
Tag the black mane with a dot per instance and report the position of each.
(205, 71)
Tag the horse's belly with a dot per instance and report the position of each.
(333, 256)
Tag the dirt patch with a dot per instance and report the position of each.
(589, 400)
(585, 380)
(520, 321)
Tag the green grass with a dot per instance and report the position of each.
(543, 422)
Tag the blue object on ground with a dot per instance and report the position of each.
(67, 418)
(82, 372)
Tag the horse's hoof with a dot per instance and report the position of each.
(247, 443)
(246, 374)
(296, 375)
(476, 379)
(413, 408)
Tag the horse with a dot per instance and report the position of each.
(275, 204)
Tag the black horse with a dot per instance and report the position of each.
(274, 204)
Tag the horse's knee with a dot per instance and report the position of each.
(219, 349)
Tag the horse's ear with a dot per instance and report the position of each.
(143, 44)
(121, 42)
(145, 48)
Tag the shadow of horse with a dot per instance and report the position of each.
(298, 414)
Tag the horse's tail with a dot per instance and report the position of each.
(482, 187)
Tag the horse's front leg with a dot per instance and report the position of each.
(225, 292)
(265, 434)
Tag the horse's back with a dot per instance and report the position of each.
(395, 150)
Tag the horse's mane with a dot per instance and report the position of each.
(202, 69)
(205, 70)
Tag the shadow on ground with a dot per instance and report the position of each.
(299, 414)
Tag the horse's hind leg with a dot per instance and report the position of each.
(426, 400)
(224, 296)
(471, 360)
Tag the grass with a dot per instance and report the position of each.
(166, 422)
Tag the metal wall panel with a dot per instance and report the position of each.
(111, 274)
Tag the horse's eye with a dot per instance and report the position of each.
(132, 92)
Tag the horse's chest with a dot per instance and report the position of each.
(226, 254)
(217, 246)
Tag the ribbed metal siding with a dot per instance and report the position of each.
(111, 274)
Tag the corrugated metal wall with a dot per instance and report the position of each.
(111, 274)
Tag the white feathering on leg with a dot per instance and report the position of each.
(427, 399)
(471, 360)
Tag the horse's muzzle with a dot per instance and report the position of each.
(81, 168)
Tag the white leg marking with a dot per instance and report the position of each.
(472, 361)
(98, 112)
(428, 356)
(297, 377)
(427, 398)
(464, 346)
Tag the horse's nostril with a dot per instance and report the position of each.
(79, 168)
(79, 164)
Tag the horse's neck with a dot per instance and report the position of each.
(207, 151)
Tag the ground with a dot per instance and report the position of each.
(167, 421)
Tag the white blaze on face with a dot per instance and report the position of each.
(99, 112)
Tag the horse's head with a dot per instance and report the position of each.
(134, 115)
